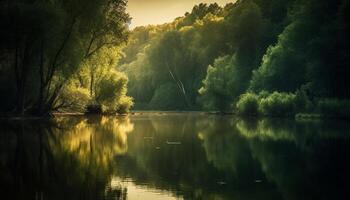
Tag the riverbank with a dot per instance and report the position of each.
(298, 116)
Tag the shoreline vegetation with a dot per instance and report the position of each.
(62, 56)
(297, 116)
(296, 105)
(276, 58)
(282, 58)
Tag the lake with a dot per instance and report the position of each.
(168, 156)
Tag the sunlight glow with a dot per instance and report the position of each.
(145, 12)
(140, 191)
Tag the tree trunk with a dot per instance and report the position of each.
(42, 84)
(22, 74)
(92, 80)
(180, 86)
(45, 102)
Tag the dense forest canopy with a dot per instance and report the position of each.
(211, 56)
(276, 57)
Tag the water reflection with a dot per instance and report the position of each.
(307, 160)
(174, 156)
(67, 158)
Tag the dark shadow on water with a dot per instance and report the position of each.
(215, 157)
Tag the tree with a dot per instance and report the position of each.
(218, 84)
(46, 42)
(304, 54)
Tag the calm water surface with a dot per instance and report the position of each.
(174, 156)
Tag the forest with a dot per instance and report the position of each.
(249, 57)
(61, 55)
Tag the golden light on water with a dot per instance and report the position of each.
(90, 139)
(136, 192)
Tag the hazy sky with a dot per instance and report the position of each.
(146, 12)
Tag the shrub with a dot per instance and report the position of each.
(124, 105)
(221, 85)
(111, 96)
(334, 108)
(263, 94)
(110, 89)
(248, 104)
(278, 104)
(73, 99)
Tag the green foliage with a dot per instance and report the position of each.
(104, 87)
(278, 104)
(107, 86)
(217, 86)
(111, 92)
(186, 51)
(46, 43)
(272, 104)
(270, 75)
(288, 104)
(209, 58)
(167, 96)
(125, 103)
(304, 51)
(73, 99)
(248, 104)
(251, 45)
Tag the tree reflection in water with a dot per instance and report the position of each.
(218, 157)
(65, 158)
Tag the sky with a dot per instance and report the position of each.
(146, 12)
